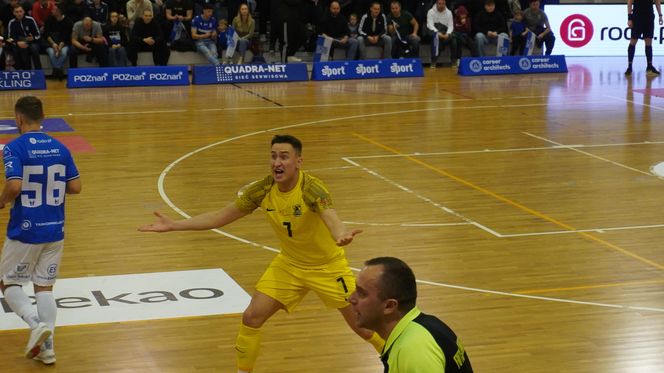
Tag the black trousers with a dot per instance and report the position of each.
(160, 52)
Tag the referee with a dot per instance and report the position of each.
(641, 19)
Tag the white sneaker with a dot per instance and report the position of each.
(294, 59)
(46, 356)
(37, 337)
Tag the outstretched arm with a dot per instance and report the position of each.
(208, 220)
(337, 227)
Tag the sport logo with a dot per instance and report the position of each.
(576, 30)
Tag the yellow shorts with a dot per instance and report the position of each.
(288, 284)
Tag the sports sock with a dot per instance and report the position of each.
(377, 342)
(20, 303)
(247, 345)
(47, 312)
(630, 53)
(649, 55)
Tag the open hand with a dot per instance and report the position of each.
(347, 237)
(163, 224)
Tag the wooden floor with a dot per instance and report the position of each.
(525, 205)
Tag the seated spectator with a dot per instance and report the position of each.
(87, 38)
(353, 26)
(223, 34)
(136, 9)
(373, 31)
(146, 35)
(490, 25)
(41, 10)
(57, 33)
(75, 9)
(178, 11)
(537, 22)
(518, 34)
(440, 23)
(462, 34)
(98, 11)
(116, 34)
(403, 29)
(4, 51)
(7, 12)
(335, 27)
(204, 33)
(245, 26)
(23, 30)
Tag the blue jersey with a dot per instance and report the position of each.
(45, 166)
(202, 26)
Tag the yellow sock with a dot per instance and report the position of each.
(246, 347)
(377, 342)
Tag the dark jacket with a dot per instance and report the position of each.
(142, 30)
(366, 24)
(60, 31)
(334, 27)
(493, 21)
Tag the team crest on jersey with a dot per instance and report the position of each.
(21, 268)
(297, 210)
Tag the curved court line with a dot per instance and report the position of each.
(167, 200)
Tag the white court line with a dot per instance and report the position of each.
(595, 230)
(425, 199)
(575, 148)
(427, 225)
(164, 196)
(634, 102)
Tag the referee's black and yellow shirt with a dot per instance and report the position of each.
(422, 343)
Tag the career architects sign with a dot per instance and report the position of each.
(23, 79)
(512, 65)
(367, 69)
(228, 74)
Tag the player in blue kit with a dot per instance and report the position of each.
(640, 19)
(39, 171)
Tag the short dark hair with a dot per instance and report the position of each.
(208, 6)
(30, 107)
(397, 281)
(288, 139)
(490, 2)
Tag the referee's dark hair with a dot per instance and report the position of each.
(397, 281)
(288, 139)
(30, 107)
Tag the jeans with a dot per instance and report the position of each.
(384, 40)
(350, 46)
(59, 61)
(208, 48)
(117, 57)
(481, 40)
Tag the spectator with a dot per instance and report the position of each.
(373, 31)
(353, 26)
(75, 9)
(57, 33)
(119, 6)
(147, 36)
(537, 22)
(204, 33)
(462, 34)
(291, 14)
(136, 9)
(7, 12)
(518, 34)
(403, 29)
(223, 34)
(178, 11)
(41, 10)
(117, 40)
(440, 23)
(25, 33)
(335, 27)
(87, 38)
(490, 25)
(245, 26)
(98, 11)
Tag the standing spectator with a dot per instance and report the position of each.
(98, 11)
(462, 34)
(291, 14)
(39, 172)
(245, 26)
(385, 300)
(373, 31)
(57, 33)
(204, 33)
(490, 24)
(41, 10)
(136, 9)
(117, 40)
(518, 33)
(147, 36)
(640, 19)
(335, 27)
(440, 23)
(178, 11)
(25, 33)
(403, 28)
(87, 38)
(538, 22)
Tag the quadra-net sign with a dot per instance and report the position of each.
(146, 296)
(596, 30)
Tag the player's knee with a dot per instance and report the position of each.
(253, 318)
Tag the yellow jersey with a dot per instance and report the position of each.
(295, 217)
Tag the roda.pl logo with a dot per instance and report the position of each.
(576, 30)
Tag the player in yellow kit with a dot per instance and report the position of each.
(300, 210)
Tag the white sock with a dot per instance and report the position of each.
(21, 305)
(47, 312)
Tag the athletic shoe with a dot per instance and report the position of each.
(433, 66)
(294, 59)
(46, 356)
(37, 337)
(628, 72)
(652, 71)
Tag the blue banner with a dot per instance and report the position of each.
(226, 74)
(22, 79)
(127, 76)
(471, 66)
(367, 69)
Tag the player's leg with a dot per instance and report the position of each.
(247, 344)
(636, 31)
(648, 33)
